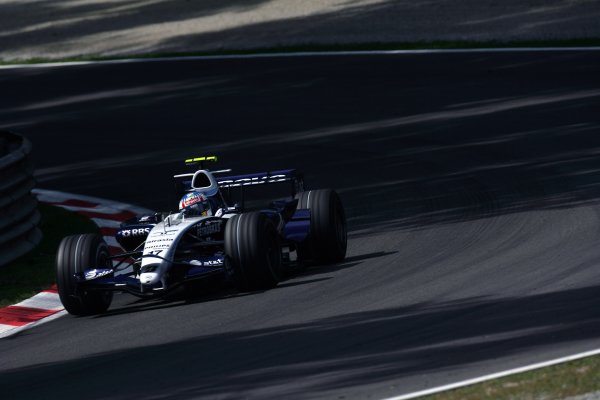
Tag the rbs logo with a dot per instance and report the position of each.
(135, 232)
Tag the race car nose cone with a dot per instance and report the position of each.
(149, 278)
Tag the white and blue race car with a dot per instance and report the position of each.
(208, 237)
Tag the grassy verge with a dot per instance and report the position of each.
(35, 271)
(556, 382)
(334, 47)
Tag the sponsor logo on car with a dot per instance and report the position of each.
(191, 198)
(253, 181)
(135, 232)
(215, 262)
(96, 273)
(208, 228)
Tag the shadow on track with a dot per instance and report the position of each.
(368, 347)
(214, 290)
(517, 136)
(422, 143)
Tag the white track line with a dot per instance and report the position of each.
(496, 375)
(306, 54)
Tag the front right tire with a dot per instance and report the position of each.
(252, 252)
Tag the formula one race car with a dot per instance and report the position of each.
(208, 237)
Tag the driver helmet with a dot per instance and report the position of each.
(195, 204)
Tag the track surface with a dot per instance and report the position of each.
(471, 183)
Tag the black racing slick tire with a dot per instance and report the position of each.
(252, 252)
(328, 238)
(76, 254)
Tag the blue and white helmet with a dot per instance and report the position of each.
(195, 204)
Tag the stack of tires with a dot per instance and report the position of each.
(19, 217)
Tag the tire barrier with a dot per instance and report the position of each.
(19, 217)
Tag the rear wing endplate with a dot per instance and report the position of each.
(259, 178)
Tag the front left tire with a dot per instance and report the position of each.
(75, 254)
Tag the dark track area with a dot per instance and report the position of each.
(471, 182)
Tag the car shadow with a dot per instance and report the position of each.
(206, 293)
(349, 262)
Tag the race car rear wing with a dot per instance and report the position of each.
(239, 183)
(259, 178)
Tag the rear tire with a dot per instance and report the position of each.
(252, 252)
(75, 254)
(328, 237)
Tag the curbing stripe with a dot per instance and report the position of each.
(75, 203)
(52, 289)
(105, 210)
(108, 231)
(112, 242)
(114, 249)
(43, 300)
(106, 223)
(46, 306)
(19, 316)
(119, 216)
(7, 330)
(51, 196)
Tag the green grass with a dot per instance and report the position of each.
(335, 47)
(35, 271)
(556, 382)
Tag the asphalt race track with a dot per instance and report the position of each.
(472, 186)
